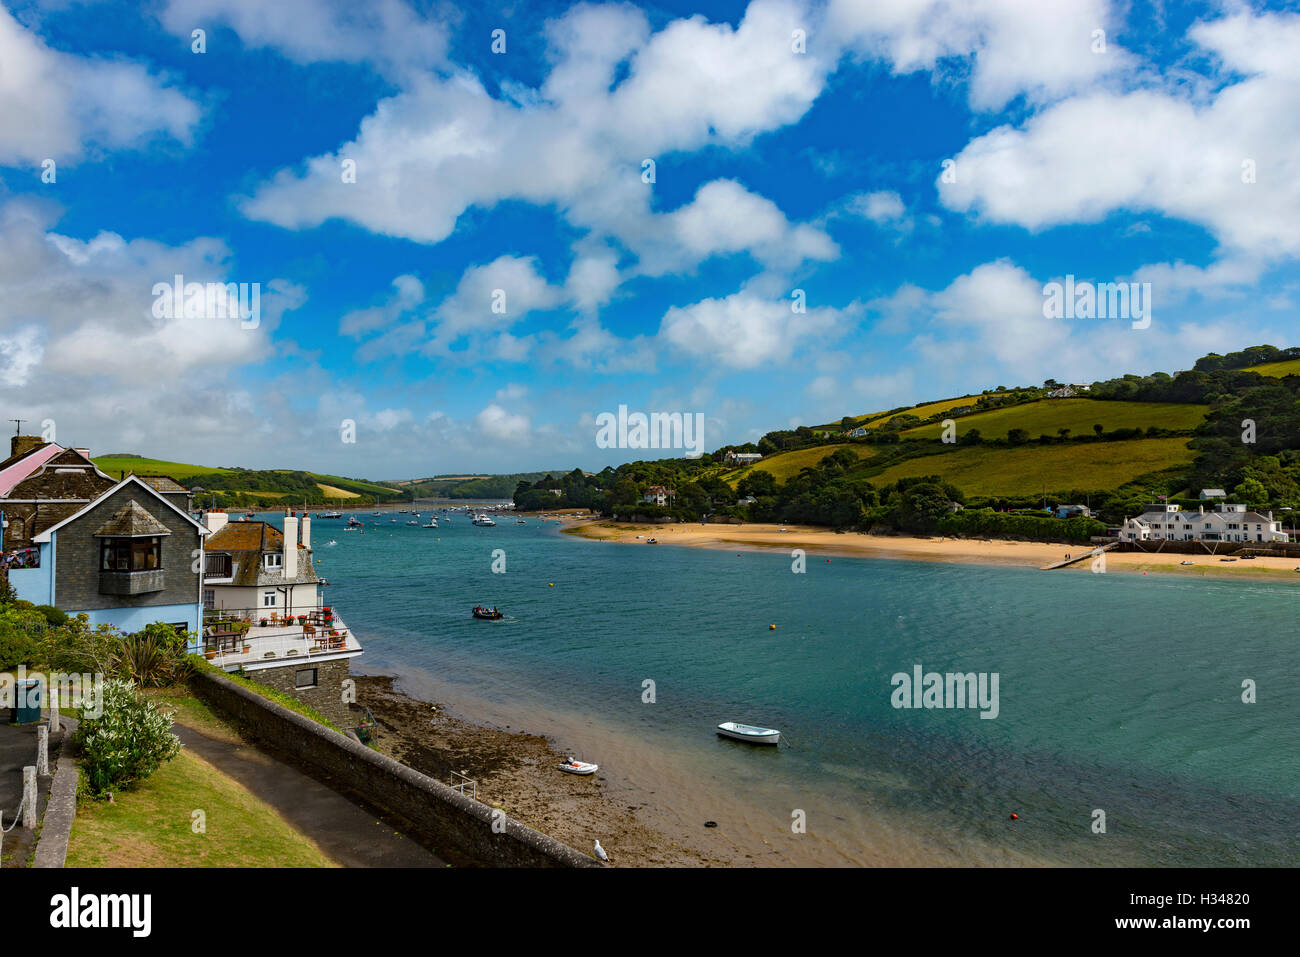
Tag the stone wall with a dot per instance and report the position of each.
(76, 569)
(326, 697)
(1264, 549)
(455, 827)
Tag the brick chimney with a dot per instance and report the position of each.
(290, 559)
(20, 444)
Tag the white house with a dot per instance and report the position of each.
(1207, 493)
(658, 495)
(742, 458)
(1230, 523)
(860, 432)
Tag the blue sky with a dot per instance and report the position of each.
(1107, 156)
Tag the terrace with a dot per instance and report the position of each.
(238, 637)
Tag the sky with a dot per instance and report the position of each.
(474, 228)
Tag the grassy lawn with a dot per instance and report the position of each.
(332, 491)
(1046, 416)
(193, 712)
(927, 410)
(1024, 470)
(151, 825)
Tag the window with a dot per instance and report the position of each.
(209, 598)
(268, 599)
(273, 561)
(130, 554)
(304, 678)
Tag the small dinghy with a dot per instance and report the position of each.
(488, 614)
(574, 766)
(749, 733)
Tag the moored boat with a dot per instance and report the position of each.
(748, 733)
(574, 766)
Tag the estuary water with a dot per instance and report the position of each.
(1121, 736)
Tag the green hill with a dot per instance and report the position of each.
(1048, 416)
(251, 486)
(1025, 470)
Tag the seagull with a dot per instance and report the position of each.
(600, 852)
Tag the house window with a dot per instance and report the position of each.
(209, 598)
(304, 678)
(273, 561)
(268, 599)
(130, 554)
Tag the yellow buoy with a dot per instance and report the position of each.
(772, 627)
(550, 584)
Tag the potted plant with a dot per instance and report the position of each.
(209, 655)
(262, 622)
(302, 619)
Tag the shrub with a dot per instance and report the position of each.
(150, 659)
(128, 742)
(55, 616)
(20, 634)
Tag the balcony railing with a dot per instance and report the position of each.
(217, 566)
(131, 583)
(250, 636)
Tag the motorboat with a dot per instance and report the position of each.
(482, 519)
(748, 733)
(433, 523)
(574, 766)
(353, 523)
(488, 614)
(413, 522)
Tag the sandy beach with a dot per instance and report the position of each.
(825, 542)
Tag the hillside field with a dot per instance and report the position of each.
(1046, 416)
(1277, 369)
(113, 464)
(1026, 469)
(783, 465)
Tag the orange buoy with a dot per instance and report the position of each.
(1015, 817)
(772, 627)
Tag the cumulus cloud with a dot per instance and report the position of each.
(387, 33)
(55, 105)
(745, 330)
(1230, 162)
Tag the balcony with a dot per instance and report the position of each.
(237, 638)
(131, 583)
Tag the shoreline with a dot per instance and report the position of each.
(822, 541)
(516, 770)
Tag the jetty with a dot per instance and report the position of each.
(1083, 556)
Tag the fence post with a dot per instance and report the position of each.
(29, 797)
(56, 720)
(43, 751)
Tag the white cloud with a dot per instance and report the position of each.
(495, 422)
(55, 105)
(386, 32)
(1040, 48)
(1085, 158)
(744, 330)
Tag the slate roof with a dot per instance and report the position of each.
(162, 483)
(131, 521)
(246, 543)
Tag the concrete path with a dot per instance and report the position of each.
(346, 832)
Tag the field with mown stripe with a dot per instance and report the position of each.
(1026, 469)
(1047, 416)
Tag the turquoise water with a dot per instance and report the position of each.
(1117, 692)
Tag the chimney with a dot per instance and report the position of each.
(84, 453)
(21, 444)
(1201, 508)
(290, 559)
(215, 519)
(305, 529)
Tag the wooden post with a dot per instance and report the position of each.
(43, 751)
(29, 797)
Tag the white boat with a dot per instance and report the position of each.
(433, 523)
(574, 766)
(413, 522)
(749, 733)
(482, 519)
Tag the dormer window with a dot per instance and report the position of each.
(274, 560)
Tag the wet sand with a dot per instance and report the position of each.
(516, 771)
(964, 550)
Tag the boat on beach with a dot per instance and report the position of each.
(748, 733)
(574, 766)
